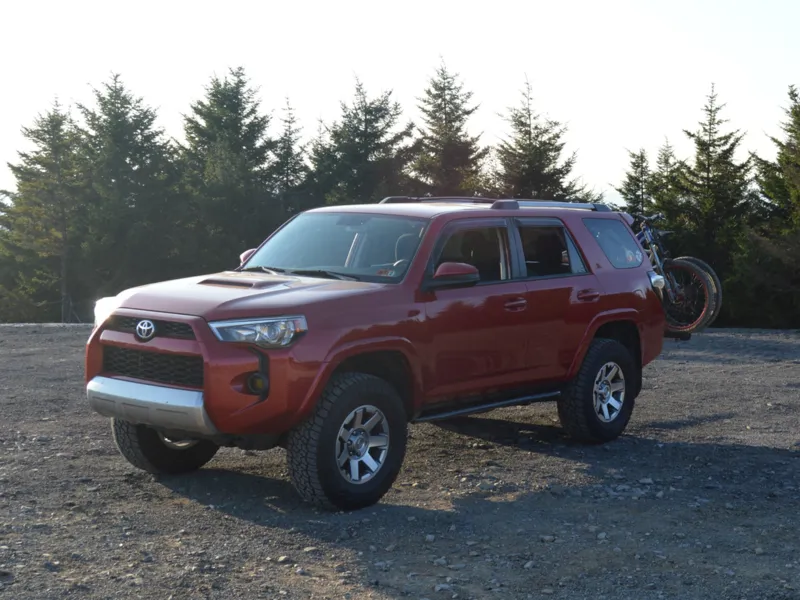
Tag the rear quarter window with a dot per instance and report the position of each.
(616, 242)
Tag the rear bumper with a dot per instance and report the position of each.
(146, 404)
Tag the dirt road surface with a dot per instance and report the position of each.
(700, 499)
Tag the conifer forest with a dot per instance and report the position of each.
(106, 200)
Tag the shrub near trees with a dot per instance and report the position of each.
(104, 200)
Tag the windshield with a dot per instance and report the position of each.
(362, 246)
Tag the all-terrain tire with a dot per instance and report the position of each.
(143, 447)
(312, 446)
(709, 291)
(576, 406)
(712, 274)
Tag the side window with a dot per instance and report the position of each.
(549, 251)
(616, 241)
(484, 248)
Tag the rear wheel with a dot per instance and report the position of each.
(715, 280)
(693, 292)
(349, 453)
(597, 406)
(149, 450)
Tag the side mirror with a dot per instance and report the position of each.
(453, 275)
(245, 255)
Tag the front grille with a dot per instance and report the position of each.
(170, 329)
(172, 369)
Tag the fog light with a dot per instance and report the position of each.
(258, 383)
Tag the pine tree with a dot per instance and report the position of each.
(289, 169)
(132, 223)
(779, 180)
(766, 276)
(718, 196)
(530, 162)
(226, 160)
(665, 183)
(39, 227)
(637, 187)
(366, 155)
(450, 160)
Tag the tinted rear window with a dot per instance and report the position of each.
(616, 241)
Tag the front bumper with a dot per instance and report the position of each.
(198, 384)
(146, 404)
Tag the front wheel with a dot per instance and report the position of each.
(149, 450)
(692, 303)
(349, 453)
(715, 280)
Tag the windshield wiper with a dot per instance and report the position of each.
(321, 273)
(273, 270)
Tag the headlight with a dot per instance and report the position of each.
(277, 332)
(103, 309)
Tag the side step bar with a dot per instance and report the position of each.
(438, 415)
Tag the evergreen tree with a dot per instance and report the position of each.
(365, 156)
(289, 170)
(718, 197)
(530, 163)
(665, 182)
(450, 160)
(40, 226)
(779, 181)
(226, 160)
(636, 189)
(767, 260)
(764, 284)
(133, 227)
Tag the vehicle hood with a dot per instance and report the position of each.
(234, 295)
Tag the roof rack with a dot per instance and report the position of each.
(501, 204)
(595, 206)
(413, 199)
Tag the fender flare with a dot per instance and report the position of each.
(621, 314)
(341, 353)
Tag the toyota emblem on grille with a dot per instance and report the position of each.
(145, 330)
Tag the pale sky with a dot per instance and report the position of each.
(622, 74)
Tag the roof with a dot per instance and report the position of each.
(428, 208)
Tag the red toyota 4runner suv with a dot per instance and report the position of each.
(349, 322)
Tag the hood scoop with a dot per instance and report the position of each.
(227, 282)
(241, 282)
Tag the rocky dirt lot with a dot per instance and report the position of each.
(701, 498)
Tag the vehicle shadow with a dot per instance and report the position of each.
(688, 422)
(522, 434)
(703, 502)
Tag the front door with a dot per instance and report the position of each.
(477, 336)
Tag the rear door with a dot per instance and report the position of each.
(562, 294)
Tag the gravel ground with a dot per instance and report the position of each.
(700, 499)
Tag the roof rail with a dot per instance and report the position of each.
(516, 204)
(595, 206)
(500, 204)
(414, 199)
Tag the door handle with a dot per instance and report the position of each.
(516, 304)
(588, 295)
